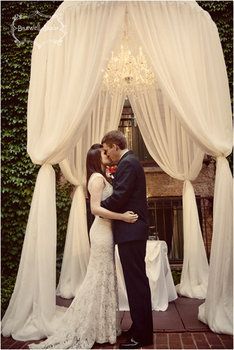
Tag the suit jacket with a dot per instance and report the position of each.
(129, 193)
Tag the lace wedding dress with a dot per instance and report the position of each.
(92, 316)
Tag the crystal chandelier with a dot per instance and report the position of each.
(127, 72)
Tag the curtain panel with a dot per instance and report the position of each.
(184, 49)
(66, 77)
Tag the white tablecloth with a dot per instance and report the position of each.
(159, 273)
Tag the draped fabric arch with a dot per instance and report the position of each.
(66, 114)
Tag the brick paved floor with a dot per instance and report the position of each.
(176, 328)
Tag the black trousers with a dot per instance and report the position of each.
(132, 257)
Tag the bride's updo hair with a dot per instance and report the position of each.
(94, 161)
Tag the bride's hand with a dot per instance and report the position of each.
(130, 217)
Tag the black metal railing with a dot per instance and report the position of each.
(166, 223)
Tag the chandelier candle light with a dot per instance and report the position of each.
(127, 73)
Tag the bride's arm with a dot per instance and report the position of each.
(96, 190)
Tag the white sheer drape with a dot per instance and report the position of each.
(65, 80)
(176, 153)
(217, 311)
(104, 117)
(183, 46)
(63, 91)
(34, 293)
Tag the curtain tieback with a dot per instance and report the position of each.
(221, 157)
(79, 190)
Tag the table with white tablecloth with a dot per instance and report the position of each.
(159, 273)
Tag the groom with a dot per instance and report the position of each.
(129, 193)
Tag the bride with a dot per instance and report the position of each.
(92, 316)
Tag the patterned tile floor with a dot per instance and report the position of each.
(175, 328)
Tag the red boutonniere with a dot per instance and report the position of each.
(110, 171)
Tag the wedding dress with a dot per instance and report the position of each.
(92, 316)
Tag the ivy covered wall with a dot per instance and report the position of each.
(18, 173)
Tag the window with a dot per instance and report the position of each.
(128, 125)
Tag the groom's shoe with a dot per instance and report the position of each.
(133, 344)
(127, 334)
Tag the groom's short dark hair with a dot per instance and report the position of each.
(115, 137)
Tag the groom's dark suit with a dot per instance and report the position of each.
(129, 193)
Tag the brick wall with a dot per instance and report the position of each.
(160, 184)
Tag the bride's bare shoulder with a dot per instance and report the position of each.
(96, 179)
